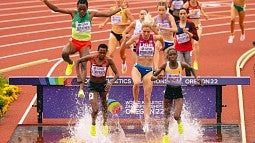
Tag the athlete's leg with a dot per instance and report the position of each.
(104, 99)
(233, 14)
(158, 46)
(241, 22)
(136, 78)
(112, 44)
(93, 98)
(83, 52)
(147, 87)
(167, 103)
(66, 52)
(178, 104)
(196, 48)
(188, 59)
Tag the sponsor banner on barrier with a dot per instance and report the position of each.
(70, 81)
(62, 101)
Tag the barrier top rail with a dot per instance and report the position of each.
(126, 80)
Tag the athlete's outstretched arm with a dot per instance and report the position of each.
(56, 9)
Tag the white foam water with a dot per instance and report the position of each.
(80, 132)
(193, 131)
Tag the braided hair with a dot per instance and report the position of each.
(83, 2)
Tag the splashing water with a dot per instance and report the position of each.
(193, 131)
(80, 132)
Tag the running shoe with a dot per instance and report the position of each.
(133, 108)
(69, 69)
(242, 37)
(93, 130)
(195, 65)
(146, 127)
(180, 128)
(165, 139)
(230, 39)
(105, 130)
(81, 94)
(124, 68)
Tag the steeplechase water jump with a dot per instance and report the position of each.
(144, 96)
(57, 98)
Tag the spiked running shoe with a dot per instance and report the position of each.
(180, 128)
(165, 139)
(230, 39)
(69, 69)
(195, 65)
(93, 130)
(242, 37)
(81, 94)
(105, 130)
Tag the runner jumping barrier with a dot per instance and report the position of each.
(57, 96)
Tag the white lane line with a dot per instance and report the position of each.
(39, 40)
(66, 36)
(35, 96)
(222, 32)
(30, 52)
(53, 48)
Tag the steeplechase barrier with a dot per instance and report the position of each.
(57, 96)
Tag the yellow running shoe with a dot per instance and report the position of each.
(81, 94)
(180, 128)
(165, 139)
(105, 130)
(93, 130)
(69, 69)
(195, 65)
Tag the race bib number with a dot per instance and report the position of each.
(167, 25)
(98, 71)
(83, 27)
(182, 38)
(174, 79)
(116, 19)
(146, 51)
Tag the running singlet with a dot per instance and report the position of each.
(119, 17)
(182, 39)
(81, 27)
(97, 70)
(138, 27)
(163, 23)
(194, 11)
(173, 76)
(145, 48)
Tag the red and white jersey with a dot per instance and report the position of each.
(145, 48)
(98, 70)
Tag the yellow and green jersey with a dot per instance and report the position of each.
(81, 27)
